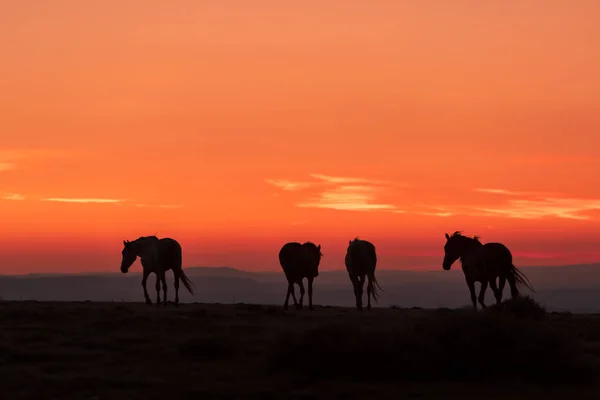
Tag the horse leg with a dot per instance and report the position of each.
(471, 285)
(144, 280)
(163, 278)
(501, 283)
(157, 287)
(176, 284)
(293, 292)
(310, 292)
(360, 287)
(481, 298)
(354, 281)
(494, 288)
(514, 291)
(302, 291)
(287, 296)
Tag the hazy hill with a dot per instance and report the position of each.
(574, 288)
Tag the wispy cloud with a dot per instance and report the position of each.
(354, 197)
(326, 180)
(495, 191)
(507, 192)
(289, 185)
(344, 180)
(339, 192)
(83, 200)
(13, 196)
(434, 213)
(566, 208)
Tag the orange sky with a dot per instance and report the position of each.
(238, 127)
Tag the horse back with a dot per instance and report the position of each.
(170, 253)
(487, 262)
(361, 258)
(496, 253)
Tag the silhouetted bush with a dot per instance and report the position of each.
(459, 346)
(520, 307)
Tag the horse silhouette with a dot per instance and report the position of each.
(484, 263)
(158, 256)
(299, 261)
(361, 260)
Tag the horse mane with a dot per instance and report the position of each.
(460, 234)
(147, 237)
(144, 238)
(313, 246)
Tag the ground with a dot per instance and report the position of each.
(133, 351)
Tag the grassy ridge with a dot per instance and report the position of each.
(125, 350)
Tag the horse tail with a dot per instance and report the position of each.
(374, 286)
(520, 278)
(186, 281)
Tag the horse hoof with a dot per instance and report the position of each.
(149, 302)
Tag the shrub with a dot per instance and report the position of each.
(520, 307)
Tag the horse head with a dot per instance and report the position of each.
(456, 247)
(312, 254)
(129, 256)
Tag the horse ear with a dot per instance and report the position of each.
(124, 242)
(319, 247)
(447, 237)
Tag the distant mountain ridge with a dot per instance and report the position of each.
(563, 288)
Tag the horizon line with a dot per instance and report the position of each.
(597, 263)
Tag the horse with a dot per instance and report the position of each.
(299, 261)
(158, 256)
(484, 263)
(361, 260)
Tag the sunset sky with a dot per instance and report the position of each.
(236, 126)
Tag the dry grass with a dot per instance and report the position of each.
(132, 351)
(459, 346)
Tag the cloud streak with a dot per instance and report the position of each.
(349, 198)
(507, 192)
(288, 185)
(362, 194)
(13, 196)
(565, 208)
(83, 200)
(338, 192)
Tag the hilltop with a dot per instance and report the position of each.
(118, 351)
